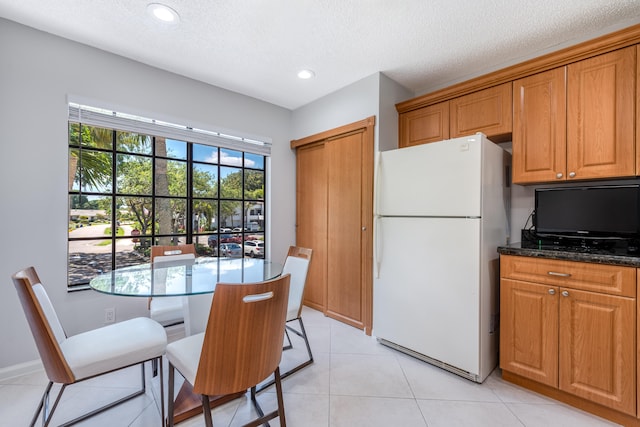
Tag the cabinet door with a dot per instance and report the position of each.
(311, 220)
(539, 127)
(427, 124)
(600, 116)
(597, 350)
(529, 330)
(488, 111)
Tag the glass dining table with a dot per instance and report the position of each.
(184, 278)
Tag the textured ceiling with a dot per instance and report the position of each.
(256, 47)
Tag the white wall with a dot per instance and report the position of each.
(375, 95)
(37, 73)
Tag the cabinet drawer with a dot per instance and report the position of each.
(609, 279)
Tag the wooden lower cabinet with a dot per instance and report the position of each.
(574, 343)
(529, 330)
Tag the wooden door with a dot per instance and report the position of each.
(427, 124)
(600, 116)
(348, 187)
(488, 111)
(311, 220)
(529, 330)
(597, 350)
(335, 213)
(539, 127)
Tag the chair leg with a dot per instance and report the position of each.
(290, 345)
(302, 334)
(206, 410)
(170, 393)
(279, 412)
(283, 422)
(44, 406)
(162, 414)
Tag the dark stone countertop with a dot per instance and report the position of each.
(612, 257)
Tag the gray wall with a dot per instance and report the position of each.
(38, 72)
(375, 95)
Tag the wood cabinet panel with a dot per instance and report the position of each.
(610, 279)
(529, 330)
(539, 127)
(311, 220)
(638, 115)
(594, 358)
(488, 111)
(428, 124)
(597, 348)
(344, 277)
(600, 116)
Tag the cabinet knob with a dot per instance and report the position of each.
(552, 291)
(559, 175)
(565, 293)
(572, 174)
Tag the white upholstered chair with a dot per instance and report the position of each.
(241, 346)
(169, 311)
(297, 265)
(70, 359)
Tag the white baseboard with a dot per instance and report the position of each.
(20, 369)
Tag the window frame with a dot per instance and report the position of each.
(192, 233)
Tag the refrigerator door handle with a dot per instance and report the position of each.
(376, 182)
(377, 233)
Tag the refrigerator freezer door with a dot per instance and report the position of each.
(426, 293)
(438, 179)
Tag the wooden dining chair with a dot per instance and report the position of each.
(241, 346)
(297, 265)
(70, 359)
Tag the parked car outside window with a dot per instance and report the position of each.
(232, 250)
(254, 248)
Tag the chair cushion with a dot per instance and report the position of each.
(115, 346)
(184, 354)
(297, 267)
(167, 310)
(49, 312)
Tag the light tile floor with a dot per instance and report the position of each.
(353, 382)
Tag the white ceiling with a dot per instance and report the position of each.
(256, 47)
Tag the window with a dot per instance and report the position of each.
(129, 190)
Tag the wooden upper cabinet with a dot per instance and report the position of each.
(638, 115)
(600, 116)
(539, 127)
(427, 124)
(487, 111)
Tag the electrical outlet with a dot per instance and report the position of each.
(109, 315)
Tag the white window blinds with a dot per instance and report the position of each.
(127, 122)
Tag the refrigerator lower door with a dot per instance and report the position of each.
(427, 288)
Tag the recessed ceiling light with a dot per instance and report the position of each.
(306, 74)
(163, 13)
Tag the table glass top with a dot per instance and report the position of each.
(184, 277)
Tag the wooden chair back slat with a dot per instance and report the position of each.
(53, 360)
(243, 340)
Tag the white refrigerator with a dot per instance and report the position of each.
(442, 210)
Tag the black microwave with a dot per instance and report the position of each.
(607, 211)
